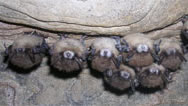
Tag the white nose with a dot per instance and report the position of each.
(68, 54)
(105, 53)
(125, 74)
(142, 48)
(154, 71)
(171, 51)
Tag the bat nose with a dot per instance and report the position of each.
(171, 51)
(157, 72)
(105, 53)
(68, 54)
(124, 74)
(154, 71)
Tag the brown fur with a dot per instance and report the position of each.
(135, 39)
(105, 43)
(22, 60)
(67, 65)
(151, 81)
(171, 62)
(169, 43)
(101, 64)
(117, 82)
(27, 41)
(68, 44)
(25, 59)
(139, 59)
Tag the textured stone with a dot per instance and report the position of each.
(114, 17)
(46, 87)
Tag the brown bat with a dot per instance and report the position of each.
(170, 54)
(27, 51)
(141, 51)
(68, 55)
(121, 78)
(103, 54)
(153, 76)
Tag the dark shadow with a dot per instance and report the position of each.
(94, 72)
(21, 70)
(145, 90)
(184, 39)
(17, 69)
(61, 74)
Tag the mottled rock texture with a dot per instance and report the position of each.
(44, 86)
(114, 17)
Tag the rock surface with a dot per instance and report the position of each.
(114, 17)
(46, 87)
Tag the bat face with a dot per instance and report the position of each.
(141, 51)
(171, 55)
(103, 60)
(171, 59)
(153, 76)
(68, 55)
(26, 51)
(121, 78)
(104, 54)
(140, 57)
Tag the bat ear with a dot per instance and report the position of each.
(44, 47)
(51, 49)
(181, 57)
(6, 49)
(82, 39)
(156, 46)
(121, 46)
(117, 61)
(63, 36)
(35, 33)
(168, 76)
(90, 52)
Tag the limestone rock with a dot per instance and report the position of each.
(114, 17)
(44, 87)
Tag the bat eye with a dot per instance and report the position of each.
(125, 75)
(142, 48)
(105, 53)
(171, 51)
(154, 71)
(68, 54)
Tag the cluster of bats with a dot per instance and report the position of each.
(125, 62)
